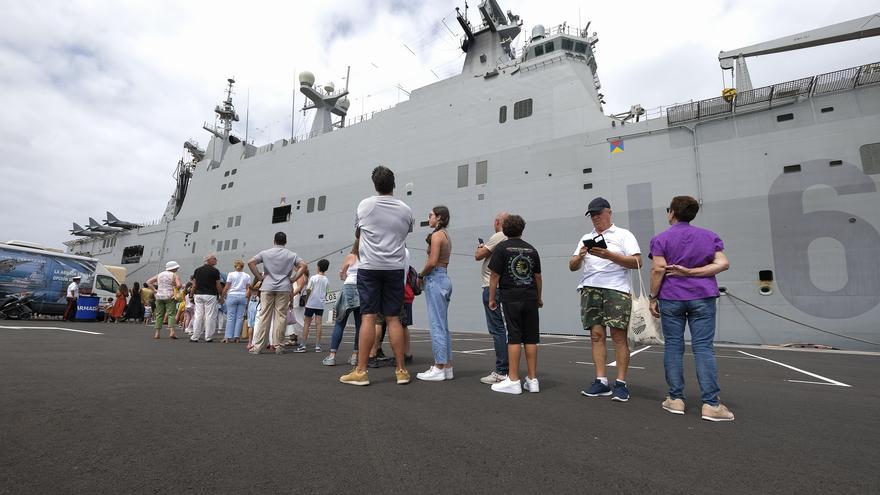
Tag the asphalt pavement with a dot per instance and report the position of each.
(114, 411)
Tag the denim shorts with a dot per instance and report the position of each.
(380, 291)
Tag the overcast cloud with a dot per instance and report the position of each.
(99, 96)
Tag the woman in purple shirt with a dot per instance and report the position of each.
(684, 290)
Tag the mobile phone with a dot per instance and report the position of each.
(480, 241)
(597, 241)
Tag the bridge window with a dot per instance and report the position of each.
(784, 117)
(548, 47)
(539, 50)
(229, 222)
(238, 220)
(580, 47)
(567, 44)
(870, 158)
(522, 109)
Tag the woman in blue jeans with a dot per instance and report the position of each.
(348, 303)
(684, 290)
(438, 292)
(236, 293)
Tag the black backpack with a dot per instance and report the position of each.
(412, 278)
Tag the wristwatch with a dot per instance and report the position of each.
(652, 297)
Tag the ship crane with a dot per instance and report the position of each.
(863, 27)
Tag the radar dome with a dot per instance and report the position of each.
(538, 32)
(306, 78)
(329, 87)
(343, 104)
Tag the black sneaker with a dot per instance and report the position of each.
(380, 355)
(407, 358)
(373, 363)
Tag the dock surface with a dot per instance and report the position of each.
(104, 408)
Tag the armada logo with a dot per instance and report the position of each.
(87, 308)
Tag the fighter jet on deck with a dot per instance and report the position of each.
(112, 221)
(77, 230)
(94, 226)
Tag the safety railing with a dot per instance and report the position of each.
(785, 92)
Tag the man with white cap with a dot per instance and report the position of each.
(72, 295)
(166, 306)
(206, 290)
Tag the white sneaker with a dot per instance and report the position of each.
(317, 347)
(353, 360)
(493, 378)
(447, 371)
(433, 374)
(508, 387)
(531, 384)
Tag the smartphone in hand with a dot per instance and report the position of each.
(480, 241)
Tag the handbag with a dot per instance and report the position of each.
(643, 328)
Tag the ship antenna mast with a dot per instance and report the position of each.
(226, 114)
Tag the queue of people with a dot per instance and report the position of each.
(379, 286)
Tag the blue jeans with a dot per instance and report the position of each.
(438, 292)
(236, 306)
(339, 327)
(495, 323)
(700, 317)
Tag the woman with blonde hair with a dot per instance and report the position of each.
(235, 293)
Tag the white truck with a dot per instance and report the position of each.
(45, 273)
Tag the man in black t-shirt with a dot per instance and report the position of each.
(516, 271)
(206, 286)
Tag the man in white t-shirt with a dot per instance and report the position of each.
(605, 293)
(72, 296)
(494, 318)
(383, 223)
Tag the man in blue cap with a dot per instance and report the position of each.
(604, 256)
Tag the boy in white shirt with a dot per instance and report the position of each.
(317, 291)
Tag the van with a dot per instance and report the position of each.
(45, 273)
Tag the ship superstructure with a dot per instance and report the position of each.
(786, 174)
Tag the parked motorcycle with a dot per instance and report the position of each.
(16, 307)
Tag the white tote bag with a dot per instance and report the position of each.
(643, 329)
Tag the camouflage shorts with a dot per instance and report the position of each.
(606, 307)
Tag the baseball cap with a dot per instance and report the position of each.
(597, 205)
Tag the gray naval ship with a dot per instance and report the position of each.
(787, 174)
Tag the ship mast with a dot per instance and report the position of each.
(226, 114)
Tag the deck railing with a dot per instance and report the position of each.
(842, 80)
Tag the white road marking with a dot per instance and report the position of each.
(828, 381)
(633, 353)
(50, 328)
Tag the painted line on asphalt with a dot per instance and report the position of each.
(828, 381)
(633, 353)
(51, 328)
(593, 364)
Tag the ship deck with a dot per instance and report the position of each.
(115, 411)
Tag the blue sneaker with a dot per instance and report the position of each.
(596, 389)
(621, 393)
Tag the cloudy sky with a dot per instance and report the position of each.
(99, 96)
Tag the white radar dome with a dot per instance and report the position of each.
(329, 87)
(306, 78)
(343, 104)
(538, 32)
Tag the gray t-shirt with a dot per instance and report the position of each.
(385, 221)
(278, 265)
